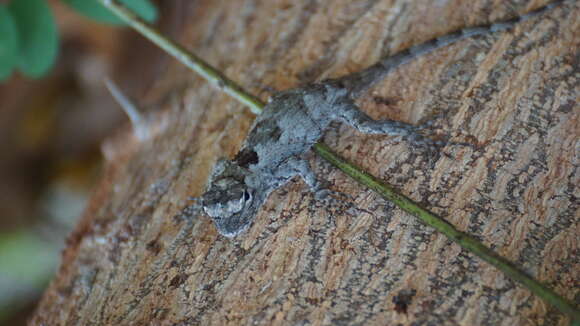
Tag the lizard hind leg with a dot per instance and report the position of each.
(353, 116)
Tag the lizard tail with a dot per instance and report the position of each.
(358, 82)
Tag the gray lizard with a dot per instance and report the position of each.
(294, 120)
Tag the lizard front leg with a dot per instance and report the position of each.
(296, 165)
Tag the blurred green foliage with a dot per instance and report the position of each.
(36, 36)
(96, 11)
(8, 43)
(29, 44)
(26, 265)
(29, 37)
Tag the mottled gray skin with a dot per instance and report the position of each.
(272, 154)
(294, 120)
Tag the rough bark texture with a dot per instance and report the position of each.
(132, 260)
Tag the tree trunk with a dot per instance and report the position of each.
(134, 260)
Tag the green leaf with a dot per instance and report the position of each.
(8, 43)
(38, 36)
(92, 9)
(26, 258)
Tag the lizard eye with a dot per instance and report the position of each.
(247, 196)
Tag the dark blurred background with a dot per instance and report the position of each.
(51, 131)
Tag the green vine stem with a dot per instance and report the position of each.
(189, 59)
(464, 240)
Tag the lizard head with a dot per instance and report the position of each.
(226, 198)
(228, 201)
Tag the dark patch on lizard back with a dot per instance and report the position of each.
(245, 157)
(268, 132)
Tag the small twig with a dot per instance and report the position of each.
(139, 125)
(465, 241)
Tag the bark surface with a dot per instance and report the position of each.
(133, 260)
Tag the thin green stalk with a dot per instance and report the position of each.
(465, 241)
(189, 59)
